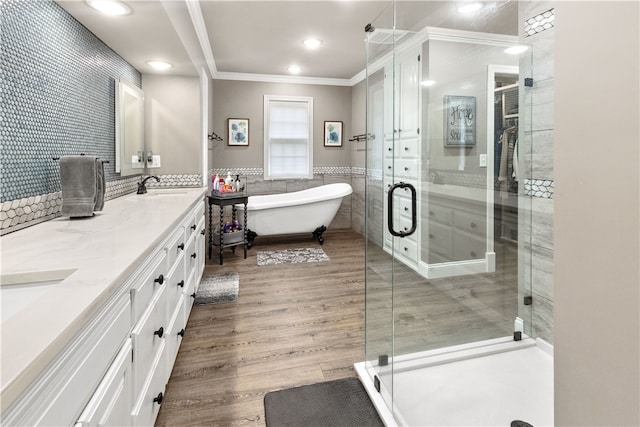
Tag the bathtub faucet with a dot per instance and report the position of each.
(142, 186)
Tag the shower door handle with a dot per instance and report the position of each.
(390, 210)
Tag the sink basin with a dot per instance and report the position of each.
(167, 192)
(18, 290)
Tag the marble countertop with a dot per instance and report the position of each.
(96, 255)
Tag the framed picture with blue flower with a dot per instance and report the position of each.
(238, 131)
(333, 134)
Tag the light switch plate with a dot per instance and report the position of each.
(136, 162)
(155, 161)
(483, 160)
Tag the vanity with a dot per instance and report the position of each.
(94, 310)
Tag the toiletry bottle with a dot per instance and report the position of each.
(237, 183)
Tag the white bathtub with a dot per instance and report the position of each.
(305, 211)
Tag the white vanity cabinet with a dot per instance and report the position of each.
(115, 369)
(457, 230)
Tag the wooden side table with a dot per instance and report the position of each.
(222, 200)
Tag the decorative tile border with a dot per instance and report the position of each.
(21, 213)
(179, 180)
(539, 188)
(539, 23)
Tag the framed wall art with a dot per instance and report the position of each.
(238, 131)
(333, 134)
(459, 121)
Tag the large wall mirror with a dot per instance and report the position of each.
(129, 128)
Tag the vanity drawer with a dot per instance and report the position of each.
(467, 246)
(441, 214)
(388, 148)
(191, 223)
(409, 147)
(175, 246)
(440, 240)
(200, 248)
(407, 168)
(147, 406)
(176, 283)
(147, 338)
(146, 285)
(191, 257)
(406, 248)
(405, 225)
(175, 333)
(405, 207)
(111, 403)
(471, 223)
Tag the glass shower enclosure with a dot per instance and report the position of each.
(448, 316)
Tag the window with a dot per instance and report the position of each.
(288, 137)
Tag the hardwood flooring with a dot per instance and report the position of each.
(293, 324)
(298, 324)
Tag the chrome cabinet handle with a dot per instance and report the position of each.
(159, 332)
(159, 280)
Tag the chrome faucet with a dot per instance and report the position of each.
(142, 186)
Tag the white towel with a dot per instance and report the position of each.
(78, 183)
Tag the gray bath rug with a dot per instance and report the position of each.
(218, 288)
(292, 256)
(338, 403)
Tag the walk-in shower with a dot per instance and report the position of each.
(452, 336)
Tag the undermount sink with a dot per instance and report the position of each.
(18, 290)
(166, 192)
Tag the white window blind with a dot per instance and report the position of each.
(288, 137)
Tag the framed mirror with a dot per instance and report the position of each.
(129, 128)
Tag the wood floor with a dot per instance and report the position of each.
(293, 324)
(298, 324)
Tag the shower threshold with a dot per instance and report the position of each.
(489, 383)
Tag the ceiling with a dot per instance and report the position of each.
(258, 40)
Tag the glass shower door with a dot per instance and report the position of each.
(445, 256)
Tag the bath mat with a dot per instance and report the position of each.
(291, 256)
(218, 288)
(336, 403)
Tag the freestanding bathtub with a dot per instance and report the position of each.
(310, 210)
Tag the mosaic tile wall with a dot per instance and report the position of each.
(58, 96)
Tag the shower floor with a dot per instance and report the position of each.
(491, 384)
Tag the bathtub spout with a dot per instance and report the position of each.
(317, 233)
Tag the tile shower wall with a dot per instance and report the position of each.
(58, 97)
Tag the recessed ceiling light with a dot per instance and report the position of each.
(159, 65)
(294, 69)
(427, 83)
(515, 50)
(469, 7)
(109, 7)
(312, 43)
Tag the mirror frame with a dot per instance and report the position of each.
(125, 142)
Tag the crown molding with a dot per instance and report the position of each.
(279, 78)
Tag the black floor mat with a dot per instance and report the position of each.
(339, 403)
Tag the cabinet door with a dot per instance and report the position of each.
(111, 403)
(409, 100)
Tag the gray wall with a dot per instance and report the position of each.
(240, 99)
(597, 214)
(172, 122)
